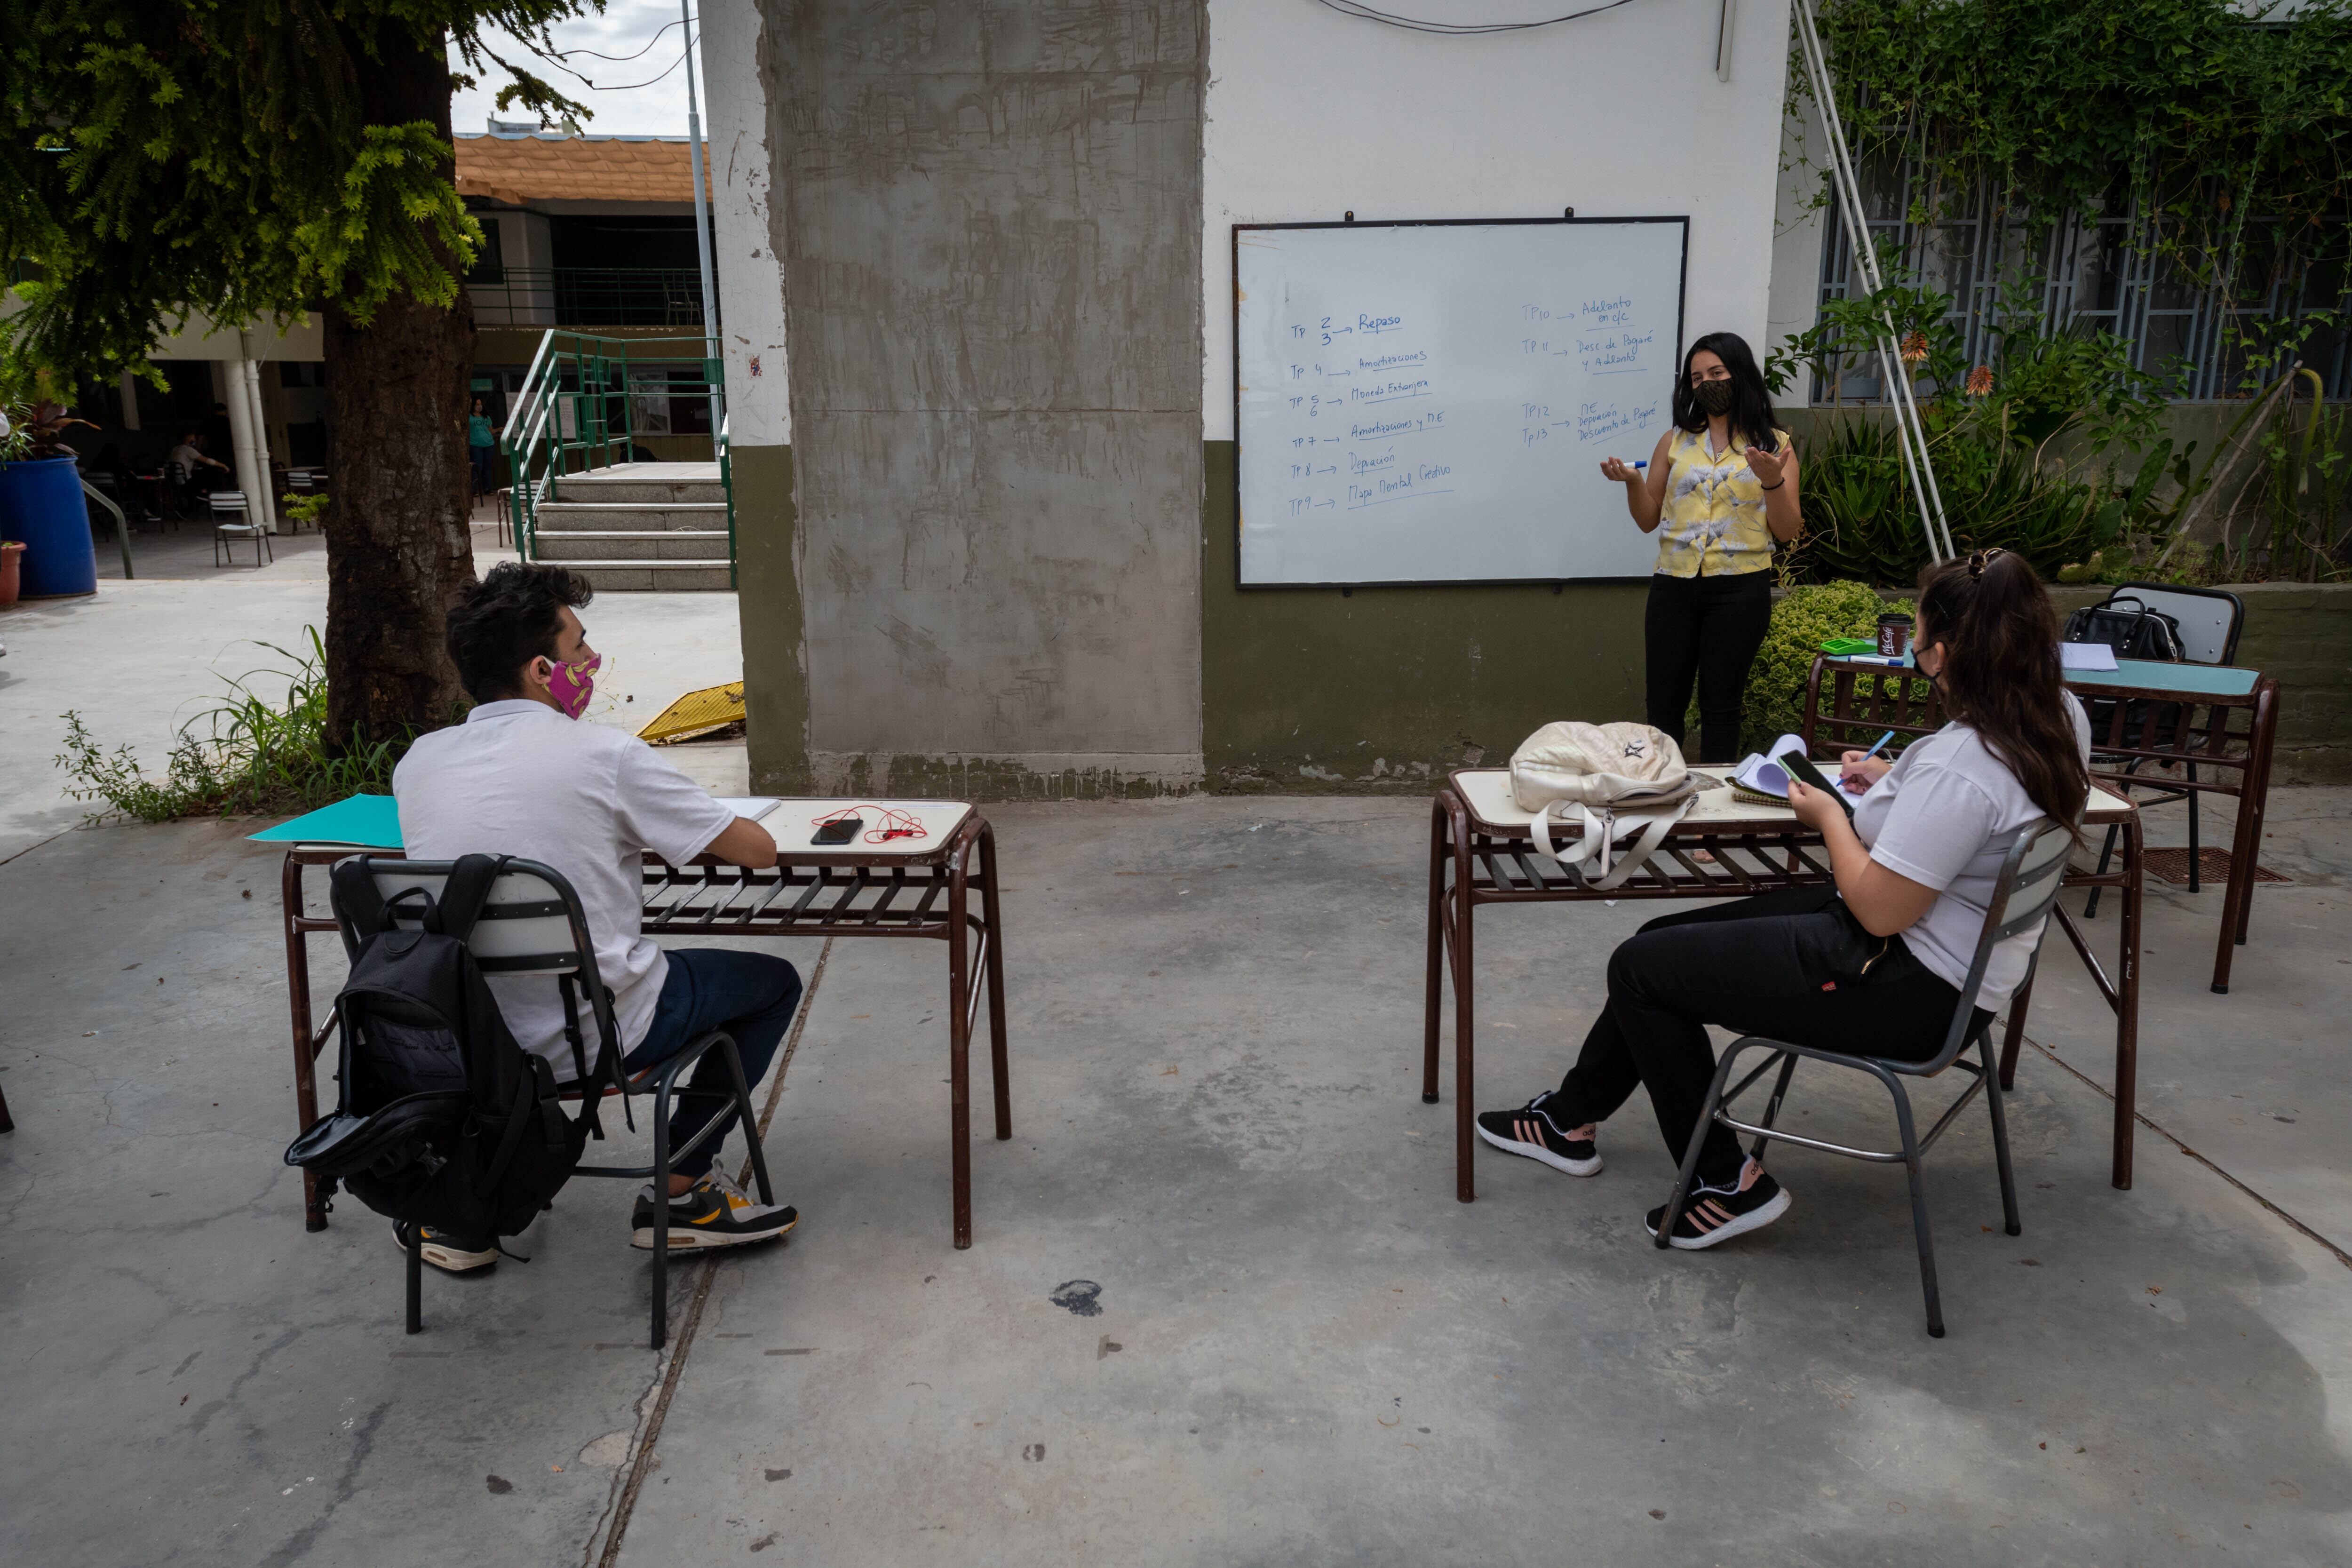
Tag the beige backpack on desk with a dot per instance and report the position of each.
(1614, 780)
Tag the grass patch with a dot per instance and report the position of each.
(245, 755)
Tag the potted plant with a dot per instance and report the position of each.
(41, 504)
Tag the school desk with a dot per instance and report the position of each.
(923, 886)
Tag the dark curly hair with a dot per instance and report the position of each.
(1751, 400)
(509, 618)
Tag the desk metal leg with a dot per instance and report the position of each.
(993, 912)
(1434, 987)
(2127, 1003)
(297, 991)
(1464, 1094)
(960, 1042)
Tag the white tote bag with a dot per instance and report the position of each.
(1616, 782)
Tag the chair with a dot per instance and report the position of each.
(531, 923)
(2209, 621)
(227, 503)
(2028, 886)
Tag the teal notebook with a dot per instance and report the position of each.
(364, 821)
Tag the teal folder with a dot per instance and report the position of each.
(363, 821)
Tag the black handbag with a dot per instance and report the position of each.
(2126, 625)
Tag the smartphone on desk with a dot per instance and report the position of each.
(841, 832)
(1799, 766)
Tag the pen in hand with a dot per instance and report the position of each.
(1848, 778)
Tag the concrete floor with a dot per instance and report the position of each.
(1304, 1350)
(139, 660)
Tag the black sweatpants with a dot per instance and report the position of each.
(1707, 627)
(1789, 965)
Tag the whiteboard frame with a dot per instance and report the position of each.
(1682, 305)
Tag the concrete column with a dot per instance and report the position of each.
(253, 480)
(245, 388)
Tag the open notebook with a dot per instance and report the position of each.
(1761, 778)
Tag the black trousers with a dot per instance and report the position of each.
(1794, 966)
(1707, 627)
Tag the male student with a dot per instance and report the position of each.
(525, 775)
(190, 455)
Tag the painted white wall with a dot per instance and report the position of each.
(1312, 113)
(750, 283)
(1798, 226)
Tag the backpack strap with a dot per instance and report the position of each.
(590, 1091)
(466, 891)
(356, 901)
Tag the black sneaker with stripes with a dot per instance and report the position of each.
(1532, 1132)
(1718, 1214)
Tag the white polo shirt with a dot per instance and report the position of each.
(519, 778)
(1944, 815)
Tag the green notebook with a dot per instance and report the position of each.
(363, 821)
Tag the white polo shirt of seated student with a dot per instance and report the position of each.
(1944, 815)
(519, 778)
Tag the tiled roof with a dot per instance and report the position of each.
(549, 166)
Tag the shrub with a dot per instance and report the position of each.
(1803, 618)
(256, 756)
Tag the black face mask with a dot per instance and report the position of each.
(1714, 396)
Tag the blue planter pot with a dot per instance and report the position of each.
(41, 504)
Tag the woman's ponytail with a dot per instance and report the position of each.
(2002, 673)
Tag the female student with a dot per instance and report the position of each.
(1720, 491)
(482, 450)
(1873, 966)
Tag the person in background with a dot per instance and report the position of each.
(1872, 965)
(1720, 492)
(190, 462)
(525, 775)
(482, 448)
(219, 434)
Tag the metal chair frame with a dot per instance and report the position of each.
(220, 504)
(2030, 878)
(2150, 595)
(501, 949)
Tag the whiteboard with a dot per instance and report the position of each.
(1430, 403)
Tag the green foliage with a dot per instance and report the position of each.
(254, 756)
(301, 509)
(230, 157)
(1802, 619)
(2200, 115)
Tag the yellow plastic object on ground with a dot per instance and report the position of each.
(696, 714)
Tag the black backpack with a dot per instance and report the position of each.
(441, 1120)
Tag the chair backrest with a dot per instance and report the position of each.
(2030, 876)
(531, 923)
(1849, 706)
(228, 500)
(2210, 618)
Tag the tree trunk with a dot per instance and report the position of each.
(399, 543)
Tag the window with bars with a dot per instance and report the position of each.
(2100, 269)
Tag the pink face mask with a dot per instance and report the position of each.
(572, 685)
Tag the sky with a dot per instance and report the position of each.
(623, 107)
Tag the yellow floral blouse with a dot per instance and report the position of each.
(1712, 523)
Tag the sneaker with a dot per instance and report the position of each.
(445, 1253)
(1530, 1131)
(714, 1212)
(1718, 1214)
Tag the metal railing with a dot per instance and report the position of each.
(583, 404)
(587, 297)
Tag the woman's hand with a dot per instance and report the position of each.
(1768, 468)
(1859, 771)
(1817, 809)
(1619, 471)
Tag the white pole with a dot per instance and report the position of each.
(249, 479)
(702, 228)
(264, 506)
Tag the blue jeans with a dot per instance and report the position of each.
(750, 998)
(484, 461)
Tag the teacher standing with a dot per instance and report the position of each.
(1720, 492)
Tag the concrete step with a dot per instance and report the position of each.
(570, 545)
(606, 516)
(654, 576)
(638, 492)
